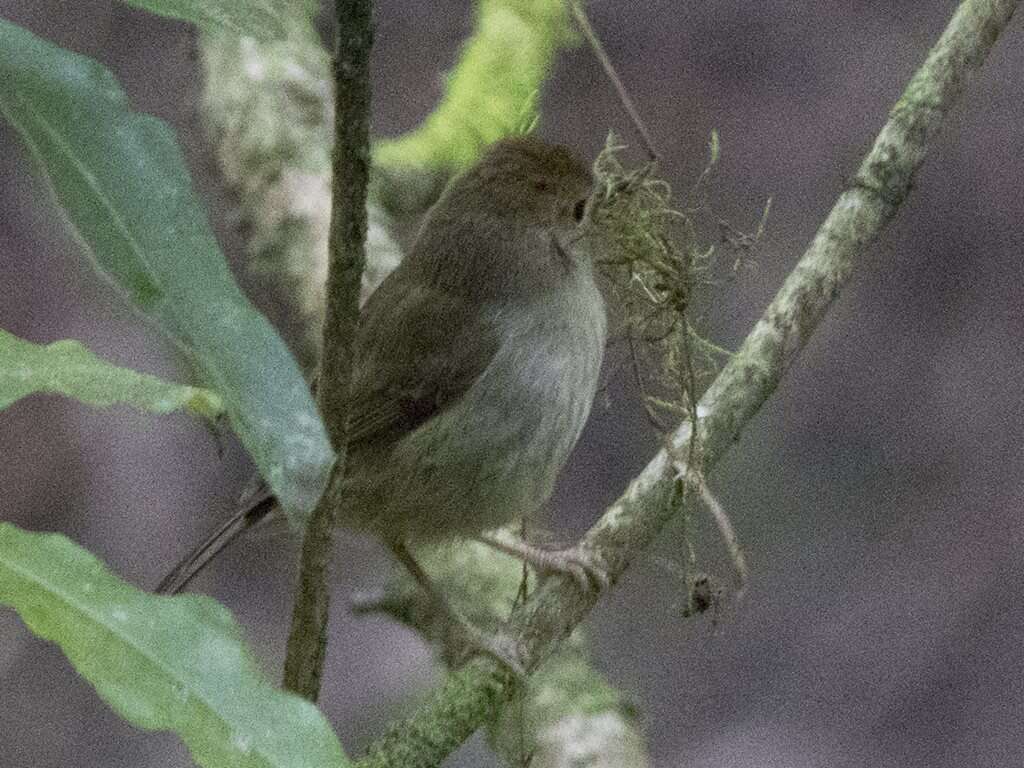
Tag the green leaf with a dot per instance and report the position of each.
(265, 20)
(162, 663)
(492, 91)
(122, 183)
(68, 368)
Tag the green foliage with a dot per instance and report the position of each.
(162, 663)
(500, 71)
(68, 368)
(123, 185)
(262, 19)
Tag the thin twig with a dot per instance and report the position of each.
(307, 640)
(470, 695)
(732, 541)
(609, 69)
(721, 518)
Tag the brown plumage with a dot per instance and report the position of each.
(476, 360)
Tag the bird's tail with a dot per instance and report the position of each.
(240, 522)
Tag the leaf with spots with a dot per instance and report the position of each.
(163, 663)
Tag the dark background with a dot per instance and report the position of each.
(878, 494)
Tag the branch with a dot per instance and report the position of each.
(471, 696)
(346, 258)
(268, 109)
(494, 85)
(569, 714)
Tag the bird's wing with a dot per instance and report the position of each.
(418, 349)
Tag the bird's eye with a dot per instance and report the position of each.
(579, 210)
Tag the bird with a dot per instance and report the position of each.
(475, 365)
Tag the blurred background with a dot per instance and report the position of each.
(877, 496)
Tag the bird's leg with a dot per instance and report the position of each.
(588, 571)
(498, 646)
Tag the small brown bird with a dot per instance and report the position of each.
(475, 365)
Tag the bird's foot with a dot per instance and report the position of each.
(583, 565)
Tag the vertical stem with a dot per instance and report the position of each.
(307, 640)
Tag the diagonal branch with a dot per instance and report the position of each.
(471, 695)
(347, 256)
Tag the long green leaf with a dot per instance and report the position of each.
(162, 663)
(67, 367)
(265, 20)
(121, 180)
